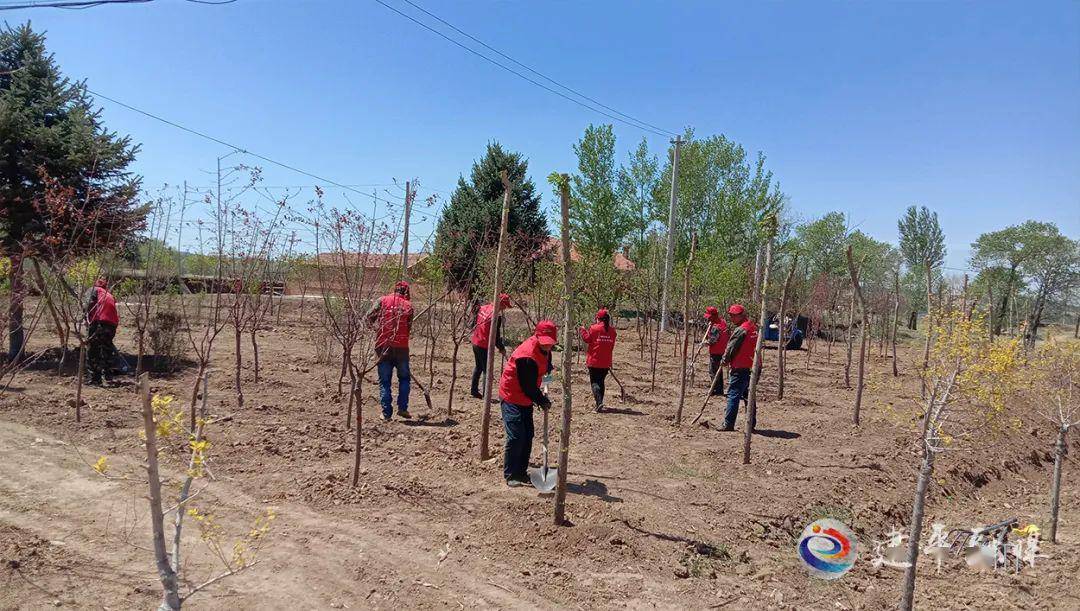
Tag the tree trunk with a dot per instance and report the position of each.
(358, 397)
(1060, 451)
(1076, 329)
(255, 352)
(239, 388)
(489, 370)
(755, 375)
(1009, 282)
(896, 324)
(170, 586)
(16, 337)
(453, 381)
(863, 334)
(929, 328)
(990, 308)
(918, 508)
(850, 339)
(781, 346)
(913, 321)
(685, 329)
(568, 306)
(80, 374)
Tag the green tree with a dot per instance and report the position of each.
(1007, 249)
(470, 223)
(599, 219)
(52, 138)
(822, 243)
(922, 245)
(1052, 270)
(636, 187)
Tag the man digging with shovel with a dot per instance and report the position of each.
(519, 390)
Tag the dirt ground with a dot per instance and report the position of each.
(662, 517)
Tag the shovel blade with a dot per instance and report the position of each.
(544, 480)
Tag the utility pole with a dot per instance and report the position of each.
(405, 240)
(669, 259)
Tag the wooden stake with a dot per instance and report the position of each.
(781, 346)
(862, 334)
(564, 434)
(751, 403)
(495, 312)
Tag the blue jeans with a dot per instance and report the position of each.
(386, 367)
(518, 422)
(738, 384)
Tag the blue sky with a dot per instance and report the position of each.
(972, 109)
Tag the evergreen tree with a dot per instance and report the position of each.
(52, 140)
(470, 223)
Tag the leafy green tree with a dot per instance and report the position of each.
(922, 245)
(599, 219)
(52, 138)
(470, 223)
(1053, 269)
(636, 188)
(1007, 249)
(822, 243)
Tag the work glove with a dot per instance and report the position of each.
(545, 404)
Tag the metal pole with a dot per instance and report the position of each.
(405, 240)
(669, 259)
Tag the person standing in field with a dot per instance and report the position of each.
(600, 339)
(739, 356)
(519, 390)
(717, 340)
(102, 319)
(392, 317)
(480, 336)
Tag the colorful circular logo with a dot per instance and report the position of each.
(828, 548)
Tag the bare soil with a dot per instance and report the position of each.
(661, 516)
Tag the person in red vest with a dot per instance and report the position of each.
(102, 319)
(480, 336)
(392, 317)
(600, 339)
(717, 339)
(739, 355)
(519, 390)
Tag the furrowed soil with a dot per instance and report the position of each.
(662, 516)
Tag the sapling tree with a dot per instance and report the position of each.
(922, 244)
(969, 382)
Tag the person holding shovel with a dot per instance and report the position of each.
(519, 390)
(717, 340)
(600, 339)
(480, 336)
(739, 356)
(392, 317)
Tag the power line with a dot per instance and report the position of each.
(530, 69)
(643, 127)
(84, 4)
(227, 144)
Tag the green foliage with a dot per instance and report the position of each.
(822, 243)
(636, 186)
(51, 131)
(922, 243)
(470, 223)
(599, 219)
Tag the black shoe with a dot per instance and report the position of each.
(727, 429)
(599, 408)
(386, 418)
(404, 413)
(476, 395)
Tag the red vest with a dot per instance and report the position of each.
(104, 309)
(395, 319)
(720, 346)
(600, 343)
(481, 333)
(744, 356)
(509, 387)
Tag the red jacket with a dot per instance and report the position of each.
(509, 387)
(718, 337)
(104, 308)
(601, 343)
(482, 331)
(744, 356)
(394, 321)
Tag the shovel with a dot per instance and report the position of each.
(543, 478)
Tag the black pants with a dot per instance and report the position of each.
(714, 366)
(100, 353)
(518, 422)
(597, 375)
(480, 356)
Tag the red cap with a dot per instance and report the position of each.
(545, 341)
(711, 313)
(736, 310)
(402, 287)
(547, 328)
(101, 283)
(504, 300)
(601, 314)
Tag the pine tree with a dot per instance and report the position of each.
(470, 223)
(52, 140)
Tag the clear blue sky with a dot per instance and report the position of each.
(970, 108)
